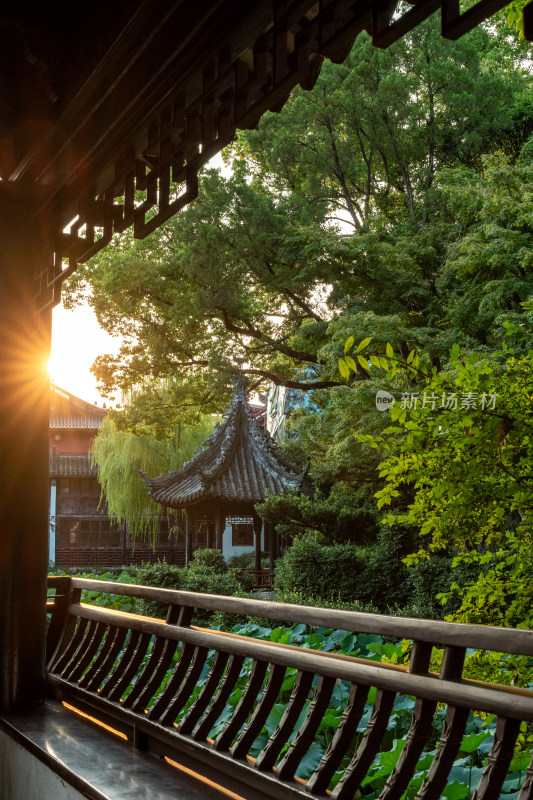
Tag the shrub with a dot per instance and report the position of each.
(161, 574)
(204, 581)
(200, 578)
(331, 572)
(241, 567)
(209, 559)
(386, 582)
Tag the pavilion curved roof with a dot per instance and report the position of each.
(238, 463)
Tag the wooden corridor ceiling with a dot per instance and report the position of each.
(102, 99)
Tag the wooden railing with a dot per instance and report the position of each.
(136, 675)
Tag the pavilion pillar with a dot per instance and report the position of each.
(220, 524)
(211, 535)
(24, 424)
(270, 532)
(258, 525)
(188, 536)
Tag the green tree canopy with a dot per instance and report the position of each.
(459, 467)
(260, 274)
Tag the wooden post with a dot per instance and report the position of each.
(188, 536)
(211, 535)
(269, 529)
(277, 545)
(258, 525)
(24, 423)
(220, 523)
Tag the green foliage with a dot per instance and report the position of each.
(339, 517)
(242, 566)
(390, 207)
(316, 570)
(202, 580)
(208, 559)
(206, 575)
(120, 454)
(464, 475)
(162, 575)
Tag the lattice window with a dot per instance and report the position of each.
(74, 533)
(242, 534)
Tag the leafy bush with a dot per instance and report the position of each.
(163, 575)
(209, 559)
(204, 581)
(326, 571)
(200, 577)
(242, 566)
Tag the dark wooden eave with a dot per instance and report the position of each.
(100, 100)
(238, 464)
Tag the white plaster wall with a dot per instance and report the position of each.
(24, 777)
(228, 550)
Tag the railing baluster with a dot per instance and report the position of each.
(419, 731)
(127, 667)
(259, 716)
(305, 736)
(59, 614)
(344, 735)
(71, 640)
(105, 659)
(220, 661)
(244, 707)
(498, 760)
(526, 792)
(452, 735)
(91, 643)
(186, 689)
(158, 664)
(164, 702)
(368, 748)
(453, 731)
(203, 728)
(297, 700)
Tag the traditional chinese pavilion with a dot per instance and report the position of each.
(237, 466)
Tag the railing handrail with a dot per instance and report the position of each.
(515, 641)
(496, 699)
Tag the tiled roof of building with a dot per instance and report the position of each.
(70, 465)
(68, 411)
(239, 462)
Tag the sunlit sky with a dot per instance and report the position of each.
(76, 341)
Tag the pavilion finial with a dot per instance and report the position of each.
(239, 386)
